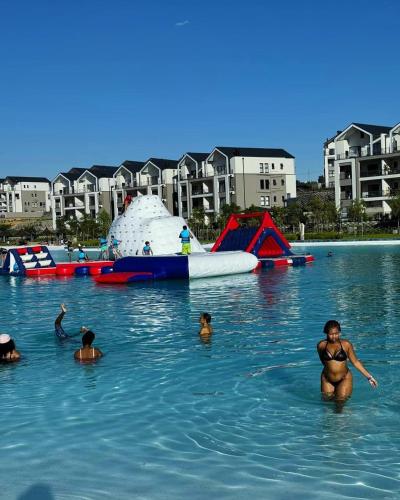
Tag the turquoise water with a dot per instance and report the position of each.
(164, 416)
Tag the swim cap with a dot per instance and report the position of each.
(4, 338)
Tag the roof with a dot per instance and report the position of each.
(102, 170)
(13, 178)
(132, 166)
(73, 173)
(254, 152)
(373, 129)
(198, 156)
(163, 163)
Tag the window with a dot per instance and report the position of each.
(266, 168)
(281, 166)
(283, 199)
(262, 184)
(362, 135)
(261, 168)
(331, 151)
(264, 201)
(273, 166)
(282, 182)
(274, 198)
(266, 183)
(274, 182)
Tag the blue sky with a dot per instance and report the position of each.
(98, 82)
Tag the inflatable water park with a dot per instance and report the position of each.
(248, 242)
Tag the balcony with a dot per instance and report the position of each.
(201, 192)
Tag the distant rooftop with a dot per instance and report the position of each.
(232, 152)
(15, 178)
(163, 163)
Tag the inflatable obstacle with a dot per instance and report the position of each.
(257, 233)
(20, 261)
(36, 261)
(160, 267)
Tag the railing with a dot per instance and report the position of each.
(359, 152)
(385, 193)
(380, 171)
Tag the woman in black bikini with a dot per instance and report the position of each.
(336, 378)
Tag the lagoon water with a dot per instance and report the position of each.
(163, 416)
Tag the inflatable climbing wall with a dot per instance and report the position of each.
(147, 219)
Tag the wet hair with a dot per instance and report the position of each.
(147, 242)
(6, 348)
(207, 317)
(87, 338)
(331, 324)
(184, 227)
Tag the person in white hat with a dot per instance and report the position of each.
(7, 349)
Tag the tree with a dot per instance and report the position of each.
(394, 204)
(279, 215)
(226, 211)
(88, 227)
(103, 222)
(357, 212)
(197, 217)
(5, 230)
(294, 214)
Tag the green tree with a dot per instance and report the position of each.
(294, 214)
(5, 230)
(103, 222)
(88, 227)
(279, 215)
(197, 217)
(394, 204)
(225, 211)
(357, 212)
(61, 228)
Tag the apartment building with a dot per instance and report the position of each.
(82, 191)
(263, 177)
(155, 176)
(329, 161)
(367, 167)
(24, 195)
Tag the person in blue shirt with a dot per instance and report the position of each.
(114, 247)
(82, 255)
(103, 248)
(185, 240)
(147, 249)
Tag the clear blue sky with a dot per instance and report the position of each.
(100, 81)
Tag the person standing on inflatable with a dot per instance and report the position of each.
(185, 240)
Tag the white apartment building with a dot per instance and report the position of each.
(367, 167)
(82, 191)
(155, 176)
(263, 177)
(329, 162)
(24, 195)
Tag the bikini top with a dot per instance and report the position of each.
(339, 355)
(93, 354)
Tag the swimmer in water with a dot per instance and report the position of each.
(329, 254)
(59, 330)
(334, 352)
(87, 352)
(8, 352)
(206, 330)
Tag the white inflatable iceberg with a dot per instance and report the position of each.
(147, 219)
